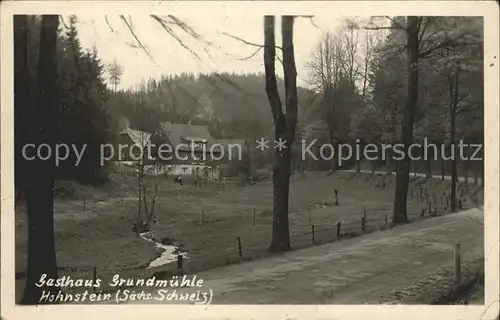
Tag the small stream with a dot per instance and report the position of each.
(168, 255)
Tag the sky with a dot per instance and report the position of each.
(217, 53)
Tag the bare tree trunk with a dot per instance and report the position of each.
(333, 142)
(23, 106)
(144, 201)
(281, 184)
(388, 169)
(476, 173)
(284, 124)
(453, 87)
(454, 175)
(466, 171)
(403, 173)
(429, 165)
(38, 183)
(442, 168)
(154, 197)
(140, 173)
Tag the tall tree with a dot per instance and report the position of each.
(326, 67)
(22, 97)
(83, 120)
(335, 70)
(388, 92)
(37, 126)
(453, 85)
(403, 172)
(285, 124)
(115, 71)
(433, 37)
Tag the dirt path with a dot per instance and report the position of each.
(412, 174)
(375, 268)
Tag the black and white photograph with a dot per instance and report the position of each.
(303, 157)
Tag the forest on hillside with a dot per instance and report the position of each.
(355, 93)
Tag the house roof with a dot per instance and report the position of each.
(179, 134)
(139, 138)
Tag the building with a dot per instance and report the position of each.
(188, 150)
(130, 145)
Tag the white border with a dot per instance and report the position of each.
(489, 10)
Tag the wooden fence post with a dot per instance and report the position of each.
(253, 220)
(179, 261)
(312, 229)
(239, 248)
(362, 223)
(364, 212)
(458, 276)
(338, 229)
(336, 197)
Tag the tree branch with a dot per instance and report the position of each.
(109, 24)
(186, 28)
(247, 42)
(173, 35)
(252, 55)
(398, 26)
(446, 43)
(137, 39)
(423, 32)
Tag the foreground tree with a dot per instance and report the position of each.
(37, 176)
(403, 170)
(40, 120)
(426, 38)
(285, 124)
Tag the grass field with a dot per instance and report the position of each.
(94, 225)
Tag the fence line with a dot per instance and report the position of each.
(245, 247)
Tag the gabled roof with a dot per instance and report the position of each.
(139, 138)
(186, 133)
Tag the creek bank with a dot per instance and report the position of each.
(169, 252)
